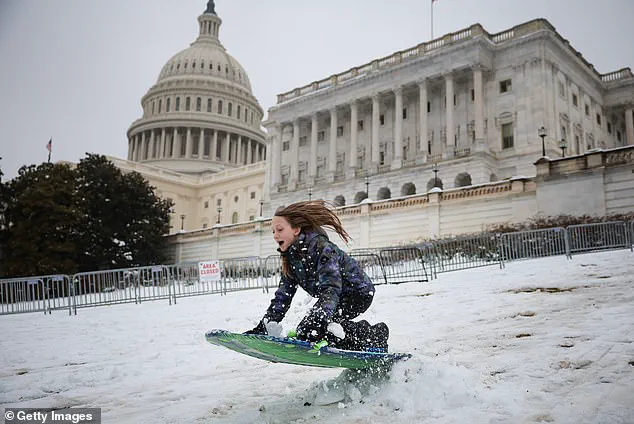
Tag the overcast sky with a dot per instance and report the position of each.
(75, 70)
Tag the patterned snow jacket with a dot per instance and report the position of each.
(322, 269)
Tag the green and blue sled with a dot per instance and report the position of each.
(298, 352)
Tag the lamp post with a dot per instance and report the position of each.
(261, 204)
(182, 221)
(542, 133)
(562, 146)
(435, 169)
(367, 186)
(219, 210)
(310, 194)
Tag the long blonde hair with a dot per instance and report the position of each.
(311, 215)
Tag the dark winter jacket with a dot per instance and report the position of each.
(322, 269)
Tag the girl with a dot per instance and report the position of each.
(310, 260)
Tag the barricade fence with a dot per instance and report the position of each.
(387, 265)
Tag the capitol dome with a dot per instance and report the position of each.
(201, 115)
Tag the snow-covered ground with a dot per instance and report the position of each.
(489, 346)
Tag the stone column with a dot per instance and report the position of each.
(332, 147)
(353, 136)
(188, 143)
(152, 146)
(201, 143)
(214, 146)
(398, 128)
(276, 156)
(162, 145)
(312, 161)
(144, 148)
(478, 93)
(293, 162)
(422, 116)
(249, 152)
(130, 148)
(175, 143)
(450, 132)
(225, 153)
(629, 125)
(239, 161)
(375, 131)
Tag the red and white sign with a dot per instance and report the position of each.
(209, 271)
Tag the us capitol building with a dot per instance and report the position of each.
(467, 109)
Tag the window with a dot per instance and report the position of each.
(252, 195)
(168, 104)
(219, 202)
(303, 140)
(178, 104)
(562, 89)
(160, 104)
(219, 107)
(320, 136)
(204, 226)
(238, 112)
(199, 102)
(246, 114)
(229, 109)
(575, 100)
(404, 113)
(587, 109)
(505, 86)
(609, 128)
(234, 218)
(206, 204)
(429, 147)
(472, 95)
(187, 103)
(153, 104)
(507, 136)
(360, 125)
(428, 107)
(209, 105)
(235, 199)
(455, 99)
(382, 119)
(286, 146)
(339, 131)
(598, 117)
(618, 135)
(251, 217)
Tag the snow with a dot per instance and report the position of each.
(544, 340)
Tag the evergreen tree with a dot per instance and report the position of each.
(124, 221)
(41, 220)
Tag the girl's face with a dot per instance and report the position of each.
(283, 234)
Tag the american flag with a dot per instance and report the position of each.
(49, 145)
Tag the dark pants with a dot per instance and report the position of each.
(351, 307)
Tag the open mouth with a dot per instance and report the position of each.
(281, 242)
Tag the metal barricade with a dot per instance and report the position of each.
(534, 244)
(370, 263)
(599, 236)
(467, 252)
(271, 270)
(403, 265)
(241, 273)
(35, 294)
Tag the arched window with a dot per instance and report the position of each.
(234, 218)
(463, 179)
(188, 103)
(408, 189)
(178, 104)
(219, 107)
(339, 201)
(493, 178)
(229, 109)
(384, 193)
(434, 182)
(168, 104)
(199, 102)
(209, 105)
(238, 112)
(160, 105)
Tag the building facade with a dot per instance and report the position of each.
(200, 140)
(459, 110)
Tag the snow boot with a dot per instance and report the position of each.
(357, 336)
(377, 340)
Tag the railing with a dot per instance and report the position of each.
(390, 265)
(617, 75)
